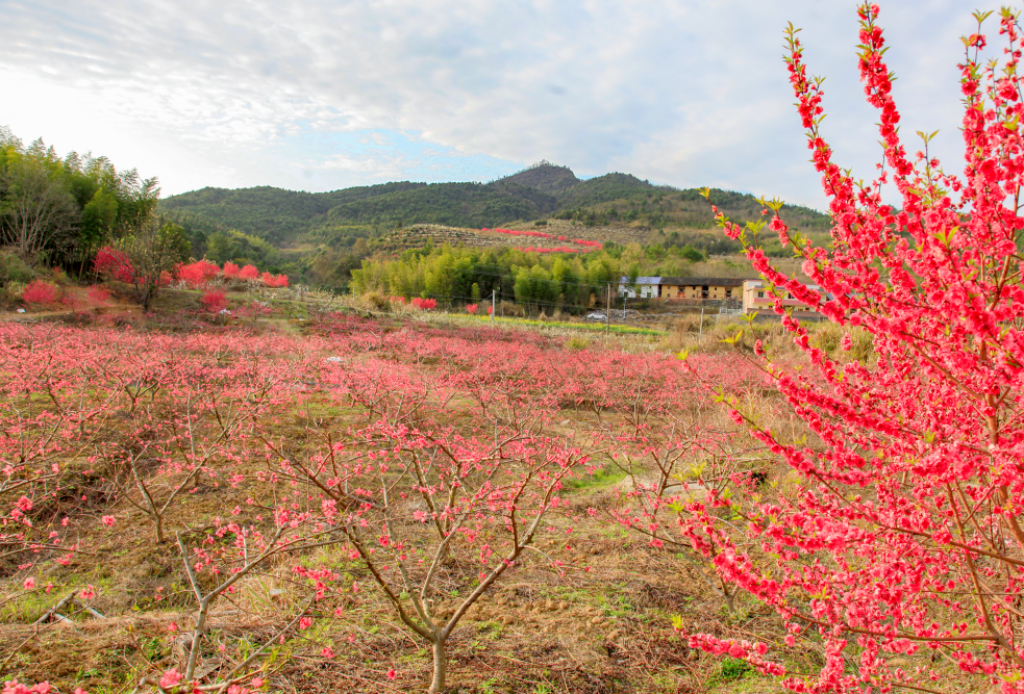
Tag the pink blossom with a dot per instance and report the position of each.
(170, 679)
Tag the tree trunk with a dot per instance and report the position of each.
(440, 666)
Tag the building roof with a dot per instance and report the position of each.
(703, 281)
(643, 280)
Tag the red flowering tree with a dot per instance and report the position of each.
(142, 259)
(214, 300)
(899, 529)
(113, 263)
(198, 273)
(249, 273)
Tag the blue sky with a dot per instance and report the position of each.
(329, 94)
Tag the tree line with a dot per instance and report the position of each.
(459, 275)
(61, 210)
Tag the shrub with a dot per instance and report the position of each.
(13, 290)
(274, 281)
(471, 309)
(14, 269)
(231, 270)
(40, 293)
(378, 302)
(198, 273)
(214, 300)
(249, 272)
(424, 304)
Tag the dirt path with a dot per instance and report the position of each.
(97, 311)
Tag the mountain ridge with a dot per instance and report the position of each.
(284, 217)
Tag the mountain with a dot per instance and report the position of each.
(545, 177)
(290, 218)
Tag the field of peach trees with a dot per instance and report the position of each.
(383, 503)
(368, 503)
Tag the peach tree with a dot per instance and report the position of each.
(902, 532)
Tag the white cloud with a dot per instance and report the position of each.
(249, 93)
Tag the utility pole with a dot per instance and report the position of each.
(700, 335)
(493, 294)
(608, 311)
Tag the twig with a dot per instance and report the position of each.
(231, 675)
(53, 610)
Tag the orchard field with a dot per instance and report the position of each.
(321, 472)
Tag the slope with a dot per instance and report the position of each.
(291, 218)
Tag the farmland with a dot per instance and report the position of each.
(138, 452)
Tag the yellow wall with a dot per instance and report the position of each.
(696, 292)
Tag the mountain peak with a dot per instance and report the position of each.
(544, 176)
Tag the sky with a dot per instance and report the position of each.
(326, 94)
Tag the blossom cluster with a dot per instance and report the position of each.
(902, 531)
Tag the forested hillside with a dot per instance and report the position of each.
(285, 217)
(59, 211)
(273, 214)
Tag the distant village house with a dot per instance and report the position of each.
(757, 297)
(645, 288)
(702, 288)
(753, 295)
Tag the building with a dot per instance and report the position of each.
(646, 288)
(702, 288)
(757, 297)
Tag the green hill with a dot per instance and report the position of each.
(274, 214)
(287, 218)
(452, 204)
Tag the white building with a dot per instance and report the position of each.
(646, 288)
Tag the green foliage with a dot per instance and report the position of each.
(449, 275)
(177, 241)
(152, 249)
(273, 214)
(734, 669)
(63, 210)
(14, 269)
(241, 249)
